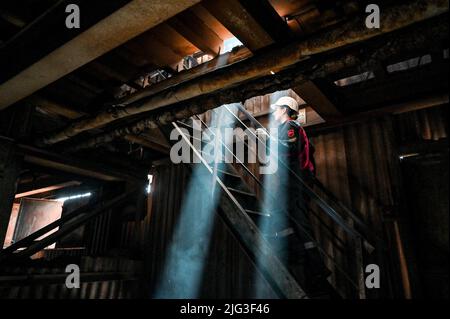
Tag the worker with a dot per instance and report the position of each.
(296, 152)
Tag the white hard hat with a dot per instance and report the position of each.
(287, 101)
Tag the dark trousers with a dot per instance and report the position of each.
(299, 249)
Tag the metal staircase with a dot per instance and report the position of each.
(243, 212)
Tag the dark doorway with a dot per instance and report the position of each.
(426, 188)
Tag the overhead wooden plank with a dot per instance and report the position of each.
(196, 32)
(76, 165)
(173, 39)
(398, 108)
(124, 24)
(273, 59)
(266, 16)
(313, 96)
(111, 67)
(155, 52)
(240, 22)
(47, 189)
(211, 21)
(53, 108)
(23, 48)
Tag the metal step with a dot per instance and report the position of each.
(247, 200)
(238, 191)
(252, 212)
(229, 173)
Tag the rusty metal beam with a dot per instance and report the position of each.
(116, 29)
(313, 96)
(275, 60)
(306, 70)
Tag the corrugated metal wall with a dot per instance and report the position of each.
(108, 289)
(359, 163)
(426, 124)
(331, 167)
(228, 273)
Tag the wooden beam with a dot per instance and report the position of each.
(195, 31)
(77, 166)
(114, 73)
(173, 39)
(153, 50)
(275, 59)
(13, 19)
(31, 180)
(312, 117)
(398, 108)
(211, 21)
(286, 79)
(313, 96)
(240, 22)
(53, 108)
(116, 29)
(47, 189)
(216, 63)
(164, 149)
(266, 16)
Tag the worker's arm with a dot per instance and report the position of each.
(290, 139)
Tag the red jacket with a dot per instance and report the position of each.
(295, 143)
